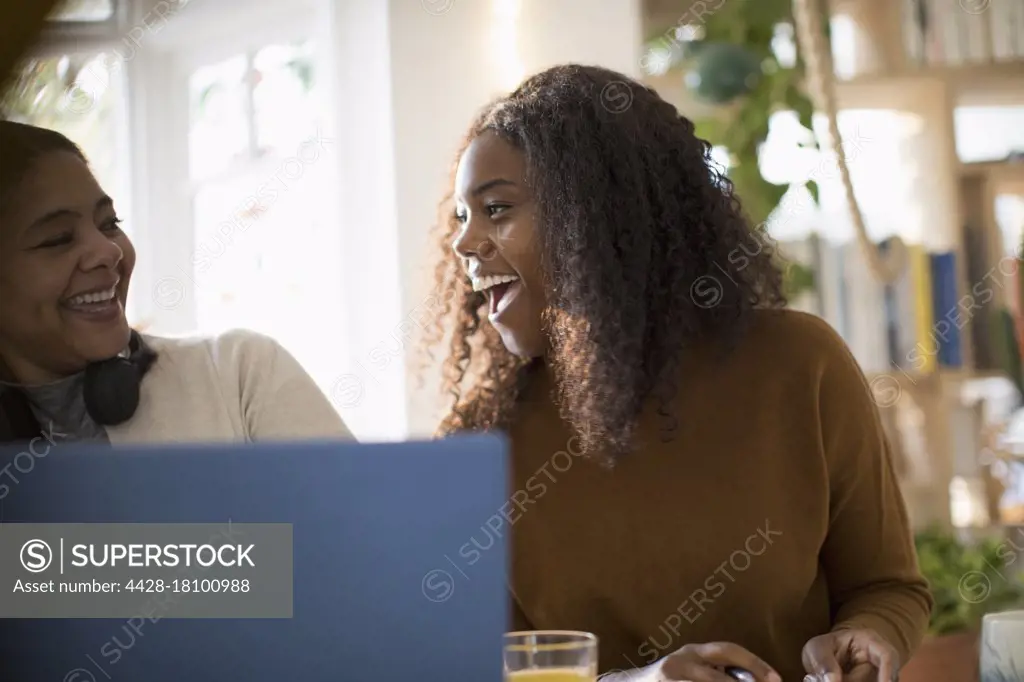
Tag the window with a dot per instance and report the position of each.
(84, 10)
(988, 133)
(259, 192)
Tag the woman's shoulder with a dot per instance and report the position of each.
(793, 333)
(234, 346)
(229, 339)
(800, 344)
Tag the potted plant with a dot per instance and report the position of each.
(967, 580)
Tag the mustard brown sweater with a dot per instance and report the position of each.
(774, 514)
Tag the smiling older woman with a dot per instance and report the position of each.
(69, 361)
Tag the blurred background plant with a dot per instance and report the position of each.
(51, 92)
(968, 580)
(741, 57)
(796, 278)
(76, 95)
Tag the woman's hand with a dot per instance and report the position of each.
(850, 656)
(707, 663)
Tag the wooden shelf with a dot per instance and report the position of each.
(1004, 175)
(960, 73)
(999, 84)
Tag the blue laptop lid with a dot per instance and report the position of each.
(382, 587)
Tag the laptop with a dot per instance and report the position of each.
(380, 588)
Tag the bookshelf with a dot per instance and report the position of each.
(899, 92)
(939, 333)
(928, 36)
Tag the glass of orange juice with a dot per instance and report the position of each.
(550, 656)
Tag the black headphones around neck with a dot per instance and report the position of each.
(110, 391)
(111, 387)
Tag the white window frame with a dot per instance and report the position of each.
(218, 32)
(203, 33)
(62, 33)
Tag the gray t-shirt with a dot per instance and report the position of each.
(62, 404)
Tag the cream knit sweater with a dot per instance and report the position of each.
(239, 386)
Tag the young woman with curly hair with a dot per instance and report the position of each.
(701, 478)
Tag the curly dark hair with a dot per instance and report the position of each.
(632, 215)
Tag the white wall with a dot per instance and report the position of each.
(370, 391)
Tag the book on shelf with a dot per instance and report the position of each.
(982, 308)
(914, 31)
(888, 327)
(1006, 23)
(915, 325)
(947, 24)
(926, 349)
(909, 316)
(948, 316)
(898, 307)
(941, 33)
(974, 36)
(844, 284)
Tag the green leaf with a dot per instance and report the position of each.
(758, 196)
(801, 104)
(772, 194)
(660, 38)
(797, 278)
(812, 187)
(958, 572)
(303, 70)
(710, 129)
(768, 12)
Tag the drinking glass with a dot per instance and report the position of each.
(1002, 647)
(550, 656)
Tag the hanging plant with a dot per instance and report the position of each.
(721, 72)
(729, 60)
(44, 91)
